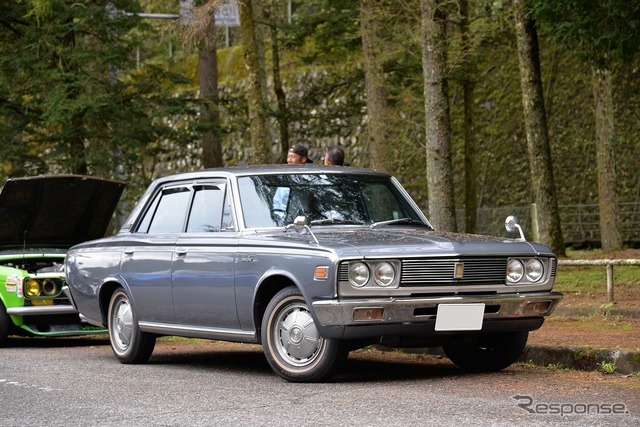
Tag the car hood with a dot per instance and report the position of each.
(56, 211)
(411, 242)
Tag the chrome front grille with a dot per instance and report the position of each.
(438, 271)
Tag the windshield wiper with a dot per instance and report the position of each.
(335, 221)
(398, 221)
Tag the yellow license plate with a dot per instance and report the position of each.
(41, 302)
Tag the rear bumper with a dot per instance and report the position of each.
(416, 311)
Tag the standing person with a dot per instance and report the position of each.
(334, 156)
(298, 155)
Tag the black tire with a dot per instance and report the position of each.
(5, 326)
(128, 342)
(292, 344)
(487, 352)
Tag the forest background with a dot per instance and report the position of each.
(94, 87)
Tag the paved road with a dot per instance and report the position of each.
(213, 384)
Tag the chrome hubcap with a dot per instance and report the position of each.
(122, 325)
(298, 340)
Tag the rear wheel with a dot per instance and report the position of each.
(128, 342)
(5, 325)
(487, 352)
(292, 344)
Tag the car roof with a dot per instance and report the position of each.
(280, 169)
(56, 210)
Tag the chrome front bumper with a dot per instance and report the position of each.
(416, 310)
(41, 310)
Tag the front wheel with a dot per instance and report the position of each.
(128, 342)
(487, 352)
(292, 344)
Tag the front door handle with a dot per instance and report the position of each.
(181, 251)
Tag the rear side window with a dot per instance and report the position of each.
(167, 212)
(206, 211)
(203, 208)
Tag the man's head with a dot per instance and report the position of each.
(334, 156)
(297, 155)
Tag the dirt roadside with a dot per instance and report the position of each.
(586, 320)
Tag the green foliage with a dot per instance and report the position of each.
(327, 29)
(557, 367)
(608, 367)
(71, 91)
(601, 30)
(56, 90)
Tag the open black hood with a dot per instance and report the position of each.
(56, 211)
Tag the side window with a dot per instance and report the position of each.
(167, 212)
(227, 217)
(207, 210)
(381, 203)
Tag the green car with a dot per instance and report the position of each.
(40, 218)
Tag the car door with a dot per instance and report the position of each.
(148, 255)
(204, 261)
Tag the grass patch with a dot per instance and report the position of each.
(591, 279)
(557, 367)
(608, 367)
(594, 324)
(182, 340)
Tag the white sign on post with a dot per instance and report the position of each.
(227, 14)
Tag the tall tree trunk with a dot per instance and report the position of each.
(77, 148)
(541, 167)
(258, 129)
(75, 140)
(377, 111)
(283, 112)
(210, 116)
(262, 33)
(438, 130)
(470, 183)
(605, 155)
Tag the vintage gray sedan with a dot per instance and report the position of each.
(311, 262)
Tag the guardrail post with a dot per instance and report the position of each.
(609, 282)
(608, 263)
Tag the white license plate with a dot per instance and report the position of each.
(459, 317)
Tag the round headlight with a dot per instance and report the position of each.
(358, 274)
(534, 269)
(32, 288)
(515, 270)
(384, 274)
(50, 287)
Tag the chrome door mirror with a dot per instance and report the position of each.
(511, 224)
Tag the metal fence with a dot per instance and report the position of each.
(580, 223)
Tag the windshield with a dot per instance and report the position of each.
(275, 200)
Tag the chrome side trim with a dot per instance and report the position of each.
(397, 310)
(198, 332)
(41, 310)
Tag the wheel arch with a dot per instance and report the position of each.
(106, 292)
(267, 289)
